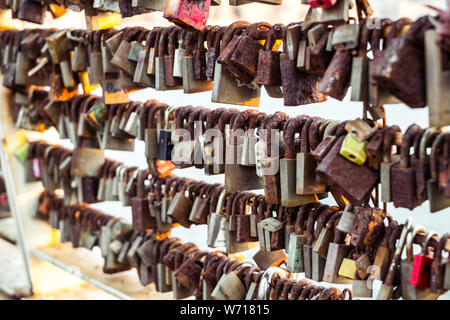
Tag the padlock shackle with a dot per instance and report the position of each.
(158, 37)
(173, 40)
(275, 33)
(189, 43)
(305, 145)
(333, 221)
(202, 118)
(97, 40)
(134, 107)
(180, 253)
(389, 138)
(168, 184)
(164, 41)
(190, 186)
(311, 222)
(75, 108)
(426, 243)
(249, 274)
(182, 116)
(377, 36)
(151, 118)
(214, 198)
(256, 120)
(427, 140)
(306, 292)
(322, 220)
(177, 185)
(435, 149)
(151, 37)
(407, 142)
(302, 218)
(244, 201)
(213, 118)
(112, 110)
(156, 188)
(88, 102)
(398, 252)
(416, 144)
(143, 115)
(165, 247)
(314, 133)
(230, 200)
(108, 34)
(410, 241)
(439, 248)
(233, 29)
(276, 122)
(156, 247)
(193, 117)
(287, 288)
(291, 127)
(211, 35)
(225, 118)
(141, 184)
(364, 35)
(241, 121)
(112, 169)
(201, 37)
(220, 267)
(297, 289)
(276, 290)
(142, 36)
(231, 265)
(388, 232)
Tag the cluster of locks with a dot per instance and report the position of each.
(173, 265)
(295, 160)
(356, 245)
(318, 59)
(188, 14)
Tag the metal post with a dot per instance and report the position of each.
(12, 200)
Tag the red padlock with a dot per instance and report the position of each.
(420, 275)
(322, 3)
(3, 200)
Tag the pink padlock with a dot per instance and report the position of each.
(36, 168)
(322, 3)
(190, 14)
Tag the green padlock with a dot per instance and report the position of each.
(22, 152)
(354, 150)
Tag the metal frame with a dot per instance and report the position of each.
(15, 212)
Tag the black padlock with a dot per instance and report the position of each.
(165, 135)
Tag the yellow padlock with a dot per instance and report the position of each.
(347, 268)
(354, 150)
(85, 83)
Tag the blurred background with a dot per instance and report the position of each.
(289, 11)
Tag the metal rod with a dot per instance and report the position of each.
(76, 272)
(12, 200)
(420, 239)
